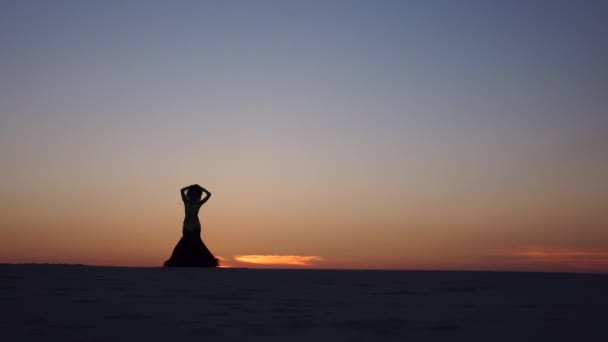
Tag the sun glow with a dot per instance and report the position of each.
(293, 260)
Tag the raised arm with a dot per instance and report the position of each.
(207, 196)
(183, 192)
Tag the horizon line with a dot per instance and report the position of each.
(311, 268)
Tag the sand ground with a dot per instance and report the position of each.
(81, 303)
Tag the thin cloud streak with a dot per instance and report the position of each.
(293, 260)
(592, 260)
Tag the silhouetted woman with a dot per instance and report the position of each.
(190, 250)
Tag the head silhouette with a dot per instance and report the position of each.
(194, 193)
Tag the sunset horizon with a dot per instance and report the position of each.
(361, 135)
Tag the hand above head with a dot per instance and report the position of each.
(207, 196)
(190, 186)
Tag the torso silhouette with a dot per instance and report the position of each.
(191, 221)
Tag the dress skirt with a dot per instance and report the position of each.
(190, 251)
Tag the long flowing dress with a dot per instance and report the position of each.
(190, 251)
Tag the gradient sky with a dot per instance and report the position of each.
(339, 134)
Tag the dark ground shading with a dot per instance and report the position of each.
(79, 303)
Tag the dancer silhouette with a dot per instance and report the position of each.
(190, 251)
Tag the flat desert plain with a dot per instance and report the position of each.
(85, 303)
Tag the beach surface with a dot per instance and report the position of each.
(85, 303)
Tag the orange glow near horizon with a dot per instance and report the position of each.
(289, 260)
(585, 260)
